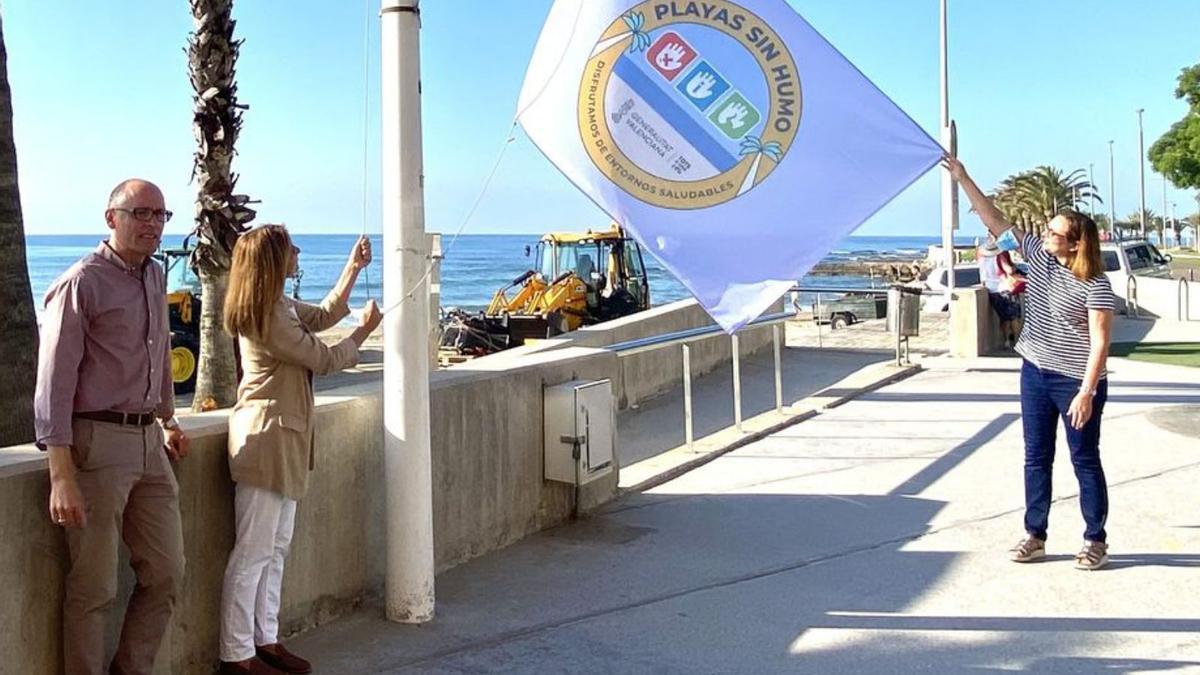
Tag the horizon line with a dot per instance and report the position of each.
(464, 234)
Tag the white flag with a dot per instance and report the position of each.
(735, 143)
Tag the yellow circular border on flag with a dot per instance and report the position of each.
(629, 32)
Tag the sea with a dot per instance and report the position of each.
(474, 266)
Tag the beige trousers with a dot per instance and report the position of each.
(130, 493)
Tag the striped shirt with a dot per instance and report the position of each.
(1056, 335)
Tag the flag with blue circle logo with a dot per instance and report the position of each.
(731, 139)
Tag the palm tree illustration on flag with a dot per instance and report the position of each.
(641, 39)
(753, 145)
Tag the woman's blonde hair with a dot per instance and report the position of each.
(1082, 231)
(262, 259)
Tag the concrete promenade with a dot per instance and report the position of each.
(869, 538)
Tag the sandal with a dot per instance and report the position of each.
(1028, 549)
(1093, 556)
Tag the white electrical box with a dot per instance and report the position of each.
(580, 431)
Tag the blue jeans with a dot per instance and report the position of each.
(1045, 398)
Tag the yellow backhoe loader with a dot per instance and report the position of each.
(578, 279)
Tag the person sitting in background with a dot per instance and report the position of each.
(1012, 286)
(1000, 276)
(271, 431)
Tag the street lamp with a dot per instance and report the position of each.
(1092, 192)
(1112, 197)
(1142, 171)
(1162, 230)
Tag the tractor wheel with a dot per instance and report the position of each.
(184, 359)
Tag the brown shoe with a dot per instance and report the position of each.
(277, 655)
(254, 667)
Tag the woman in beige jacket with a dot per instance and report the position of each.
(271, 431)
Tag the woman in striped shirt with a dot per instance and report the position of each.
(1068, 327)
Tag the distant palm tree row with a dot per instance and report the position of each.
(1031, 198)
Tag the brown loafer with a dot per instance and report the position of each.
(278, 656)
(255, 667)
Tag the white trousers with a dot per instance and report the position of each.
(250, 594)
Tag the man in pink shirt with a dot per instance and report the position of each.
(104, 378)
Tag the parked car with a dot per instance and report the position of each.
(934, 300)
(1134, 257)
(850, 309)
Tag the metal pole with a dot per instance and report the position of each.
(687, 398)
(1142, 171)
(1162, 222)
(895, 299)
(737, 381)
(1091, 193)
(947, 181)
(1174, 226)
(775, 336)
(1112, 195)
(409, 579)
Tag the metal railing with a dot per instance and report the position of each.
(1183, 300)
(684, 338)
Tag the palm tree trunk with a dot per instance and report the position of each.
(18, 330)
(216, 381)
(221, 215)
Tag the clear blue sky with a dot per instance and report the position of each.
(100, 93)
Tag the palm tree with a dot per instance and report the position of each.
(19, 335)
(1133, 222)
(221, 215)
(1032, 198)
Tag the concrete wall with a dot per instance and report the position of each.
(334, 559)
(487, 475)
(644, 376)
(975, 328)
(486, 432)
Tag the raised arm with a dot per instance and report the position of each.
(995, 221)
(288, 341)
(336, 306)
(360, 257)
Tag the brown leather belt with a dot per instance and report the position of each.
(114, 417)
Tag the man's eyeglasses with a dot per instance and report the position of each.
(146, 214)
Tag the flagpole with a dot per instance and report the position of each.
(1142, 171)
(409, 578)
(947, 181)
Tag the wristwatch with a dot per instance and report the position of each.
(170, 424)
